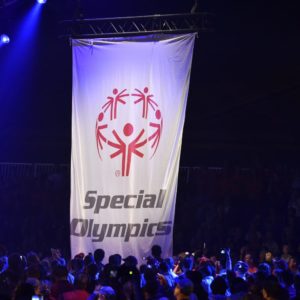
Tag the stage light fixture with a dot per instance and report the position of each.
(41, 1)
(4, 39)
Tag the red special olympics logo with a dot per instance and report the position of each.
(128, 139)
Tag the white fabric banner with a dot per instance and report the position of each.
(128, 111)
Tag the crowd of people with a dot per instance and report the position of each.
(184, 277)
(256, 208)
(254, 212)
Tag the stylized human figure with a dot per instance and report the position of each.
(112, 102)
(146, 99)
(127, 150)
(99, 136)
(157, 133)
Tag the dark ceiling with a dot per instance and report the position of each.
(244, 92)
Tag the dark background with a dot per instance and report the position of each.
(242, 111)
(244, 91)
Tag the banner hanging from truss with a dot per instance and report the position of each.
(128, 111)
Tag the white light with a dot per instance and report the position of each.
(41, 1)
(4, 39)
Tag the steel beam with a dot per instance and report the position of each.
(130, 26)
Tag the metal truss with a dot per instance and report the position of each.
(130, 26)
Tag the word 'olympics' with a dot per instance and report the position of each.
(95, 202)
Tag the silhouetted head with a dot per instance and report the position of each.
(156, 251)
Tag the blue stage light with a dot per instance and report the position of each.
(4, 39)
(41, 1)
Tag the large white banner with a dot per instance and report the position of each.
(129, 100)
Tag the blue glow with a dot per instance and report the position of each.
(4, 39)
(29, 25)
(41, 1)
(18, 62)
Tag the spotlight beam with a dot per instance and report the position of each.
(4, 39)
